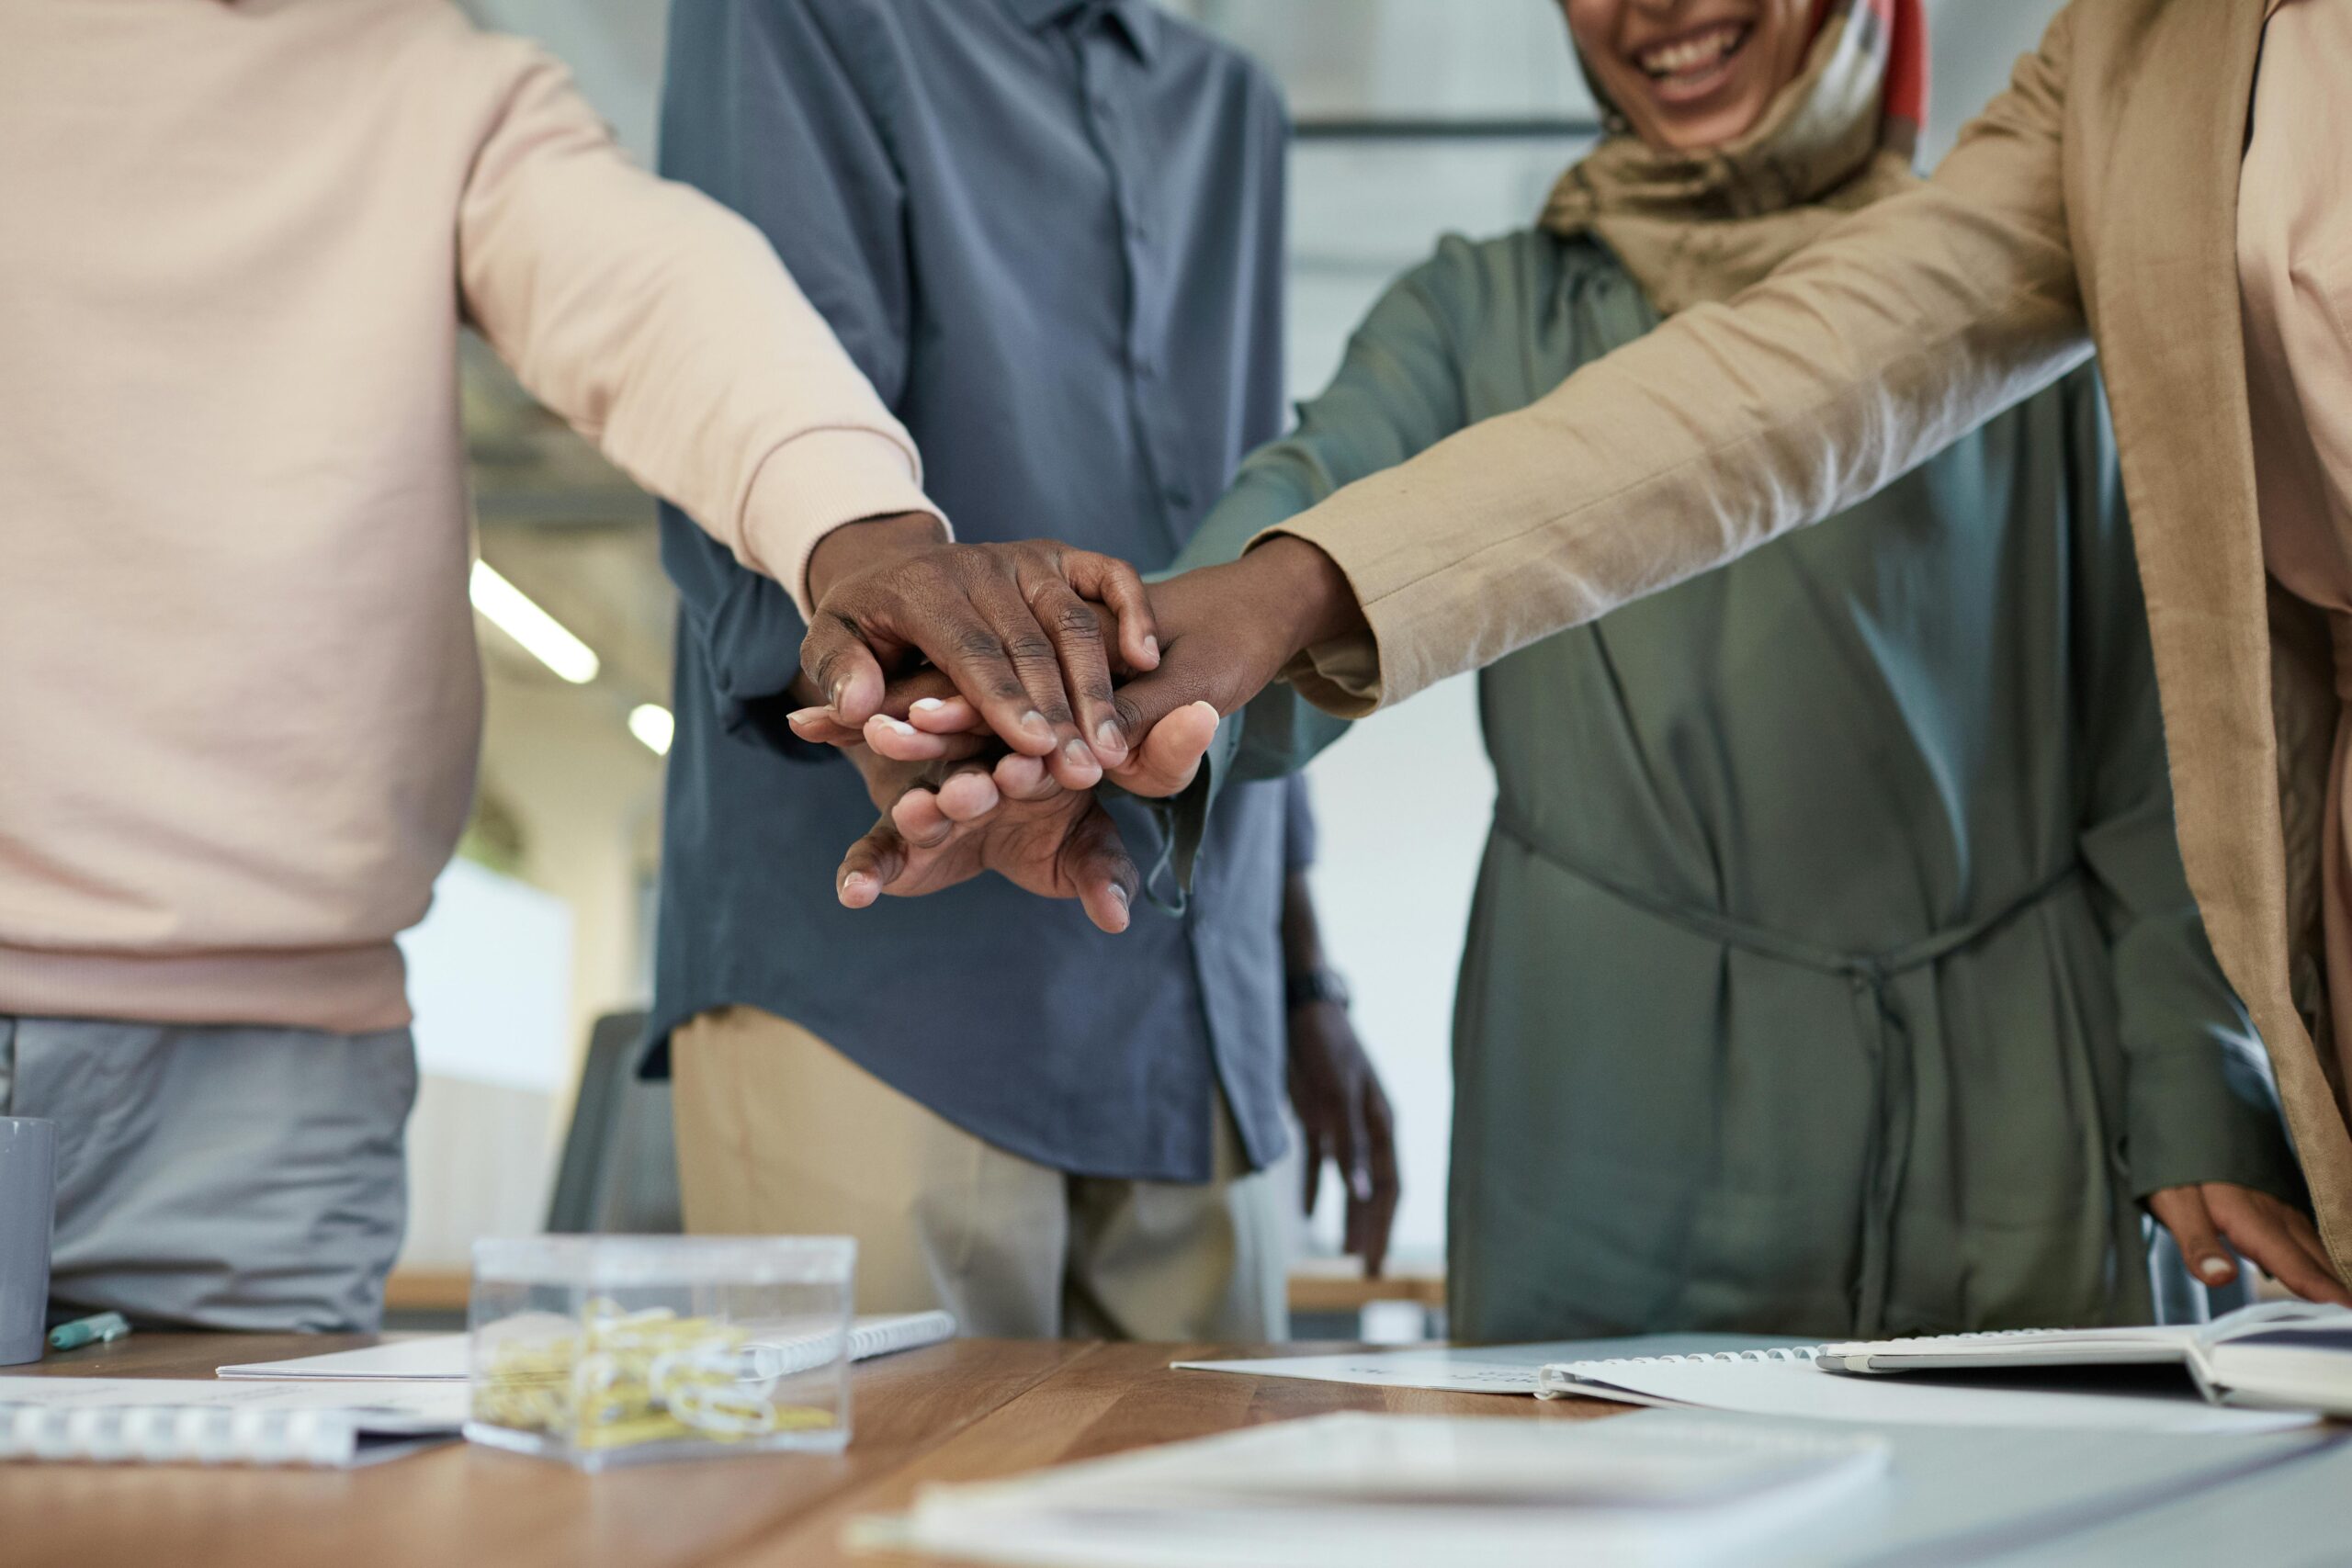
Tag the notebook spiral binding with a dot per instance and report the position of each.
(183, 1434)
(1793, 1353)
(1789, 1353)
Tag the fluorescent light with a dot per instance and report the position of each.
(542, 636)
(651, 723)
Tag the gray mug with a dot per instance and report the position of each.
(28, 1206)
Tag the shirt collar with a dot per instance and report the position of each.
(1139, 21)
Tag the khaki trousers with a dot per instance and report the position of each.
(779, 1134)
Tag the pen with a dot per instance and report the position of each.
(84, 1331)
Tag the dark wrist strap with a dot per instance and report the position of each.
(1302, 988)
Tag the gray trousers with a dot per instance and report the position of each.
(219, 1176)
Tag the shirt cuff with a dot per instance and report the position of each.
(813, 484)
(2206, 1113)
(1342, 676)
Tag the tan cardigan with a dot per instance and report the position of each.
(239, 700)
(2099, 192)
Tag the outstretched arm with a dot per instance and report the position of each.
(1899, 331)
(665, 329)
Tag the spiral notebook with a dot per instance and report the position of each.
(2101, 1379)
(2274, 1356)
(199, 1421)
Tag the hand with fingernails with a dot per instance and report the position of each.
(1189, 649)
(964, 805)
(2273, 1236)
(1013, 626)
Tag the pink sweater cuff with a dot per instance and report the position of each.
(812, 485)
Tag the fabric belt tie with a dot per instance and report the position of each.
(1879, 1024)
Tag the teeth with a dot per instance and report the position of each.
(1705, 49)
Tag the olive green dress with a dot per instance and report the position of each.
(1832, 971)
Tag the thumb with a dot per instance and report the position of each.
(871, 865)
(835, 656)
(1170, 754)
(2182, 1210)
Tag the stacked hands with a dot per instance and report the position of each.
(987, 693)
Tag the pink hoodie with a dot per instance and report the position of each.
(239, 694)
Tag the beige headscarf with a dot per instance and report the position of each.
(1704, 225)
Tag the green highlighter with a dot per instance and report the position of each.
(84, 1331)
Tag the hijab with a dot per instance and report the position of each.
(1703, 224)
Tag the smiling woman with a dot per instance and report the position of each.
(1832, 971)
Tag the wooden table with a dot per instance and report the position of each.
(965, 1411)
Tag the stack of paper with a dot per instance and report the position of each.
(1370, 1491)
(441, 1357)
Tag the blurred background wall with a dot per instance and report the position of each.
(1417, 117)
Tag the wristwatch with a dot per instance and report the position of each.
(1302, 988)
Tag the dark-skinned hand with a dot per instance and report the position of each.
(1344, 1117)
(2274, 1236)
(1011, 625)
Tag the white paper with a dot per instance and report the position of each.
(441, 1357)
(426, 1358)
(1484, 1369)
(1374, 1491)
(1801, 1390)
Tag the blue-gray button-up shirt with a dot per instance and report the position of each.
(1050, 234)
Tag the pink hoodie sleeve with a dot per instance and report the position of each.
(665, 329)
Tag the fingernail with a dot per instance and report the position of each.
(1151, 647)
(1108, 739)
(856, 880)
(835, 696)
(928, 704)
(2215, 1269)
(799, 717)
(1077, 755)
(1120, 894)
(896, 726)
(1035, 723)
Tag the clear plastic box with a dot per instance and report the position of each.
(602, 1349)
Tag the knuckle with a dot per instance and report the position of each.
(978, 642)
(1029, 649)
(1076, 623)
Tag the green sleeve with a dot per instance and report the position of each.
(1398, 390)
(2199, 1100)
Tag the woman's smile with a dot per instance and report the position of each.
(1691, 73)
(1686, 69)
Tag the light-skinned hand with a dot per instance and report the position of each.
(1016, 818)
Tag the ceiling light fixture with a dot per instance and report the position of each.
(651, 723)
(542, 636)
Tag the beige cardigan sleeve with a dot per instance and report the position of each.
(1889, 338)
(664, 329)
